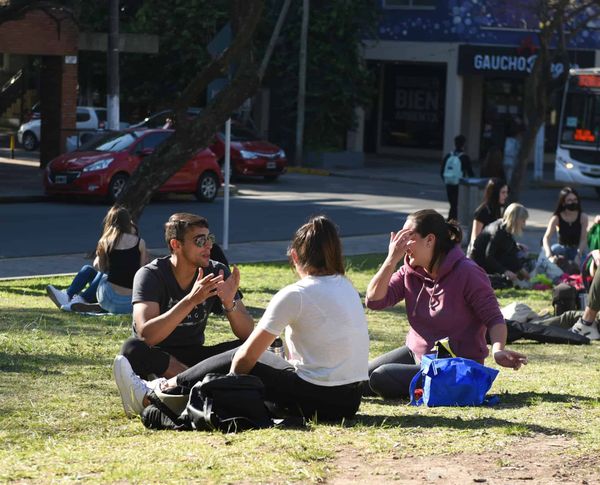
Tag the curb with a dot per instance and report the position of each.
(309, 171)
(19, 199)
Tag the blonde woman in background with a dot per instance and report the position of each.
(496, 250)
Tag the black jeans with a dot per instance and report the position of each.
(147, 360)
(284, 388)
(390, 374)
(452, 192)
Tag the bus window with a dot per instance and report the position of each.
(581, 119)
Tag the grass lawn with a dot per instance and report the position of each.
(61, 417)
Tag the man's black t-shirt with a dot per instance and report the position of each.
(156, 282)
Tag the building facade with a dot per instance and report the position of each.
(450, 67)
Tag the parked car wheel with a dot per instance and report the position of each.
(116, 186)
(208, 187)
(30, 141)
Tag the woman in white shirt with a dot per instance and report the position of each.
(326, 335)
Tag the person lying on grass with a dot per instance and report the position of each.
(326, 335)
(446, 295)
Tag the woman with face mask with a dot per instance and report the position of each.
(446, 295)
(570, 222)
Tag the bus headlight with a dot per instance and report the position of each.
(569, 165)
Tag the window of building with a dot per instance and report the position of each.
(413, 106)
(410, 3)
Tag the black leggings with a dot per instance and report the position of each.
(146, 360)
(291, 394)
(390, 374)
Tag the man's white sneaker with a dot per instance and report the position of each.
(132, 387)
(59, 297)
(589, 331)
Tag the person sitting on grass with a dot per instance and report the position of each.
(446, 295)
(571, 224)
(496, 250)
(326, 335)
(172, 298)
(119, 254)
(587, 325)
(490, 210)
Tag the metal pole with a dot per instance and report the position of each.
(112, 92)
(226, 175)
(302, 84)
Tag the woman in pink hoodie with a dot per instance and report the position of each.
(446, 295)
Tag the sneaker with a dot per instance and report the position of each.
(59, 297)
(132, 388)
(80, 305)
(589, 331)
(75, 299)
(154, 418)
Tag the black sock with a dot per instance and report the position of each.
(585, 322)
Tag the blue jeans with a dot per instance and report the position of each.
(110, 300)
(86, 275)
(568, 252)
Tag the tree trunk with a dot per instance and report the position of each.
(169, 157)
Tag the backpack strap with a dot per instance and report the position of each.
(167, 411)
(413, 386)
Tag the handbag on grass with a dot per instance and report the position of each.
(453, 381)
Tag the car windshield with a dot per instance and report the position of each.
(113, 142)
(239, 133)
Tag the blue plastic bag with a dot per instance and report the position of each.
(453, 382)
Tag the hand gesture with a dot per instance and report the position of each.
(230, 286)
(205, 287)
(399, 242)
(510, 275)
(510, 358)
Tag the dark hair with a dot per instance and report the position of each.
(561, 199)
(447, 234)
(318, 246)
(178, 224)
(459, 141)
(491, 196)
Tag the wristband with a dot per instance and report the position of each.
(232, 309)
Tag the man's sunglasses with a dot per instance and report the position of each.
(202, 239)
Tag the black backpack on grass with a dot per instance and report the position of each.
(229, 403)
(564, 298)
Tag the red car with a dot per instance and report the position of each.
(102, 167)
(250, 156)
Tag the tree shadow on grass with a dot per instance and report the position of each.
(458, 423)
(44, 364)
(507, 400)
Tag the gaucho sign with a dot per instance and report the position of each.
(511, 61)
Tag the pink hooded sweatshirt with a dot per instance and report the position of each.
(459, 304)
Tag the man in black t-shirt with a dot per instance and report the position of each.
(172, 298)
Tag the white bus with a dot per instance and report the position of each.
(578, 147)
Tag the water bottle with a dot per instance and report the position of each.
(277, 347)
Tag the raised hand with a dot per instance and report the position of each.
(230, 286)
(205, 287)
(399, 242)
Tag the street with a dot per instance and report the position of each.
(260, 212)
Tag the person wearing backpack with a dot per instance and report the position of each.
(326, 335)
(455, 166)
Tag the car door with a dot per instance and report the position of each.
(147, 145)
